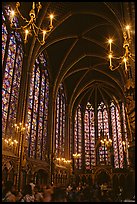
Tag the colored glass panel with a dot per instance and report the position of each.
(125, 130)
(38, 110)
(89, 137)
(12, 75)
(117, 136)
(78, 137)
(60, 122)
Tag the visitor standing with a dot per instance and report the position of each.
(9, 196)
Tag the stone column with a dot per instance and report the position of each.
(51, 132)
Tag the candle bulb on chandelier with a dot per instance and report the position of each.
(33, 5)
(110, 53)
(44, 33)
(128, 31)
(124, 145)
(26, 34)
(51, 18)
(125, 63)
(110, 61)
(110, 41)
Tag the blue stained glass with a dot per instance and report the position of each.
(60, 122)
(78, 137)
(4, 39)
(12, 75)
(103, 133)
(38, 128)
(16, 82)
(117, 136)
(125, 130)
(89, 135)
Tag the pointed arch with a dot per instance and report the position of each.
(60, 121)
(37, 118)
(117, 136)
(103, 132)
(12, 58)
(78, 136)
(89, 137)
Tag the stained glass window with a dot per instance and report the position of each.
(117, 136)
(89, 137)
(103, 133)
(12, 54)
(125, 130)
(4, 36)
(78, 137)
(104, 149)
(38, 109)
(60, 122)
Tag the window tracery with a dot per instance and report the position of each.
(12, 57)
(38, 109)
(60, 123)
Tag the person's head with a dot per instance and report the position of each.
(3, 182)
(47, 195)
(8, 186)
(31, 180)
(44, 188)
(36, 189)
(27, 190)
(59, 195)
(48, 186)
(14, 189)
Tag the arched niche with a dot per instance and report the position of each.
(122, 181)
(5, 174)
(83, 179)
(11, 175)
(41, 177)
(102, 177)
(89, 180)
(115, 182)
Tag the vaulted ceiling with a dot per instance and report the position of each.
(77, 48)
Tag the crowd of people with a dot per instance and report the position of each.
(32, 193)
(51, 193)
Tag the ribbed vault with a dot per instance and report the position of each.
(79, 42)
(77, 48)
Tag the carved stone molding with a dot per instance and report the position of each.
(10, 162)
(36, 165)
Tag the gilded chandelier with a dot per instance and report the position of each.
(127, 55)
(76, 155)
(30, 26)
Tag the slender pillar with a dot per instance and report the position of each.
(51, 132)
(83, 142)
(67, 133)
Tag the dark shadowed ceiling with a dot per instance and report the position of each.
(77, 48)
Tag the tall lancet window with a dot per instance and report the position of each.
(38, 109)
(12, 57)
(117, 136)
(78, 137)
(125, 132)
(4, 36)
(103, 134)
(89, 137)
(60, 123)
